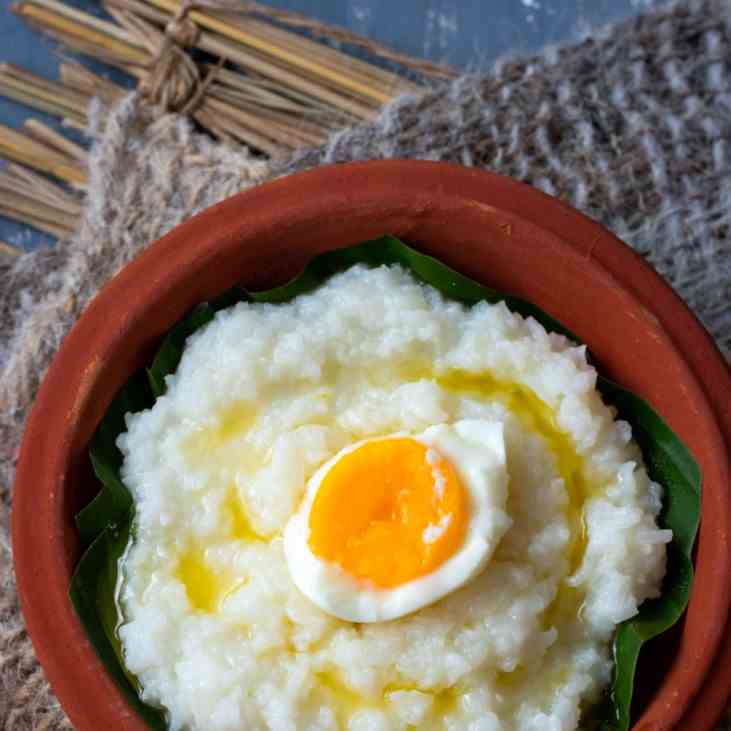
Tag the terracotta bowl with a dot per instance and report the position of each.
(493, 229)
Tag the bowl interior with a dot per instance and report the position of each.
(499, 232)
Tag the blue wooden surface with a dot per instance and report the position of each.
(464, 33)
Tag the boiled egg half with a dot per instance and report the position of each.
(394, 523)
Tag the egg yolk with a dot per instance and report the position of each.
(388, 512)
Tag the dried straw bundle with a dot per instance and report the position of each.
(240, 69)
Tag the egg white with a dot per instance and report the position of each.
(476, 450)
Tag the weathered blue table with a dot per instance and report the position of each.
(464, 33)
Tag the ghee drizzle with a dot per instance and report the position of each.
(207, 588)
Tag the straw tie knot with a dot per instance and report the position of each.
(181, 30)
(174, 80)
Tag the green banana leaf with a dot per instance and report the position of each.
(106, 524)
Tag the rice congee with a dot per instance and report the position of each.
(374, 508)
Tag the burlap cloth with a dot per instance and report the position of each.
(632, 125)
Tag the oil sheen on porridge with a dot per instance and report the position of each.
(227, 631)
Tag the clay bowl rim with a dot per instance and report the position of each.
(407, 197)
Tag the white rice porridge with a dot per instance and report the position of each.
(214, 627)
